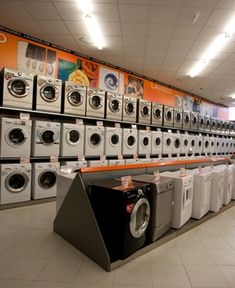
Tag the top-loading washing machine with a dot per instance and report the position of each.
(129, 110)
(113, 106)
(144, 142)
(156, 147)
(168, 116)
(15, 137)
(72, 139)
(178, 118)
(122, 214)
(201, 123)
(167, 143)
(184, 144)
(113, 141)
(74, 99)
(157, 114)
(194, 121)
(183, 197)
(48, 94)
(161, 198)
(199, 143)
(176, 143)
(95, 106)
(206, 145)
(228, 182)
(186, 119)
(16, 88)
(129, 141)
(207, 123)
(144, 111)
(94, 140)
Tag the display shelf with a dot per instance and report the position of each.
(27, 203)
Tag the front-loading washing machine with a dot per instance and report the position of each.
(231, 145)
(212, 145)
(176, 143)
(185, 144)
(168, 116)
(97, 163)
(15, 137)
(218, 126)
(178, 118)
(72, 166)
(186, 119)
(48, 94)
(201, 123)
(192, 144)
(183, 197)
(228, 182)
(157, 114)
(122, 214)
(161, 198)
(72, 139)
(194, 121)
(199, 144)
(167, 144)
(44, 179)
(15, 183)
(74, 99)
(95, 106)
(233, 193)
(113, 141)
(222, 145)
(213, 125)
(226, 145)
(207, 123)
(222, 127)
(129, 110)
(217, 145)
(94, 140)
(144, 111)
(114, 162)
(206, 145)
(156, 147)
(45, 138)
(144, 142)
(113, 106)
(129, 141)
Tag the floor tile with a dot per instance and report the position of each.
(211, 242)
(13, 247)
(223, 256)
(196, 256)
(7, 283)
(206, 230)
(67, 252)
(229, 274)
(167, 255)
(46, 284)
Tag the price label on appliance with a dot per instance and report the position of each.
(117, 125)
(24, 116)
(147, 156)
(126, 181)
(54, 159)
(156, 176)
(147, 128)
(133, 126)
(182, 172)
(81, 158)
(102, 157)
(99, 123)
(24, 160)
(120, 157)
(79, 121)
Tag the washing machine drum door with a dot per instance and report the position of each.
(73, 137)
(96, 102)
(75, 97)
(168, 115)
(49, 93)
(145, 111)
(95, 139)
(139, 218)
(130, 108)
(16, 182)
(115, 105)
(47, 179)
(18, 87)
(157, 113)
(47, 137)
(114, 139)
(16, 136)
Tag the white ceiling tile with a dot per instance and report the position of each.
(200, 3)
(134, 29)
(208, 33)
(64, 40)
(153, 61)
(160, 30)
(43, 36)
(167, 2)
(134, 60)
(180, 44)
(110, 28)
(159, 43)
(170, 68)
(138, 42)
(69, 11)
(115, 60)
(42, 10)
(166, 15)
(134, 51)
(13, 10)
(186, 16)
(172, 53)
(134, 13)
(76, 27)
(53, 27)
(114, 51)
(113, 41)
(220, 18)
(28, 26)
(172, 61)
(106, 12)
(226, 4)
(186, 32)
(157, 53)
(138, 2)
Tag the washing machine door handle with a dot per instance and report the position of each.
(18, 87)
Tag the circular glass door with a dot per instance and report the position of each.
(16, 182)
(157, 141)
(18, 88)
(75, 98)
(145, 112)
(114, 139)
(47, 179)
(73, 137)
(49, 93)
(96, 102)
(47, 137)
(130, 141)
(169, 116)
(168, 142)
(115, 105)
(145, 141)
(130, 109)
(95, 139)
(177, 143)
(157, 113)
(16, 136)
(178, 117)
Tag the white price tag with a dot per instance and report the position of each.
(135, 156)
(79, 121)
(24, 116)
(169, 130)
(81, 158)
(102, 157)
(156, 176)
(117, 125)
(120, 157)
(24, 160)
(99, 123)
(147, 128)
(182, 172)
(133, 126)
(147, 156)
(126, 181)
(54, 159)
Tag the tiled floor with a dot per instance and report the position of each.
(31, 255)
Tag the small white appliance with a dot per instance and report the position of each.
(129, 141)
(113, 106)
(72, 139)
(144, 111)
(113, 141)
(233, 194)
(45, 138)
(168, 116)
(72, 166)
(15, 137)
(186, 119)
(222, 145)
(199, 144)
(156, 147)
(217, 145)
(74, 98)
(114, 162)
(144, 142)
(95, 106)
(167, 144)
(94, 140)
(207, 124)
(183, 197)
(218, 125)
(178, 118)
(201, 123)
(129, 110)
(213, 125)
(222, 127)
(194, 121)
(185, 144)
(157, 114)
(48, 94)
(44, 179)
(16, 88)
(192, 144)
(226, 145)
(228, 182)
(231, 150)
(176, 139)
(15, 183)
(212, 145)
(97, 163)
(206, 145)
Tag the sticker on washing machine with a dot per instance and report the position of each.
(133, 126)
(117, 125)
(126, 182)
(79, 121)
(102, 157)
(54, 159)
(24, 160)
(24, 116)
(156, 176)
(120, 157)
(99, 123)
(81, 158)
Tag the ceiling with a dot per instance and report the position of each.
(156, 38)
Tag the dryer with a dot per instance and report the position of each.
(167, 144)
(206, 145)
(113, 141)
(15, 183)
(48, 93)
(168, 116)
(157, 114)
(186, 119)
(97, 163)
(144, 142)
(194, 121)
(72, 140)
(207, 123)
(95, 106)
(129, 110)
(129, 141)
(228, 182)
(15, 137)
(94, 140)
(185, 144)
(114, 162)
(44, 179)
(183, 197)
(144, 111)
(113, 106)
(122, 215)
(16, 88)
(156, 147)
(74, 99)
(176, 145)
(201, 123)
(199, 143)
(45, 138)
(178, 118)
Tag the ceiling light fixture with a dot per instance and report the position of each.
(85, 6)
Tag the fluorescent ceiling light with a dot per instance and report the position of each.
(85, 6)
(94, 31)
(197, 68)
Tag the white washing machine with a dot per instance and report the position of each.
(192, 144)
(212, 145)
(194, 121)
(222, 145)
(114, 162)
(144, 142)
(167, 143)
(74, 98)
(168, 116)
(202, 192)
(178, 118)
(94, 140)
(72, 139)
(157, 114)
(231, 150)
(207, 123)
(44, 179)
(48, 94)
(185, 144)
(186, 119)
(129, 141)
(16, 88)
(95, 106)
(144, 111)
(199, 143)
(213, 125)
(113, 141)
(201, 123)
(45, 138)
(15, 137)
(156, 147)
(227, 145)
(97, 163)
(217, 145)
(228, 182)
(72, 166)
(113, 106)
(218, 125)
(206, 145)
(15, 183)
(183, 197)
(233, 194)
(129, 110)
(176, 139)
